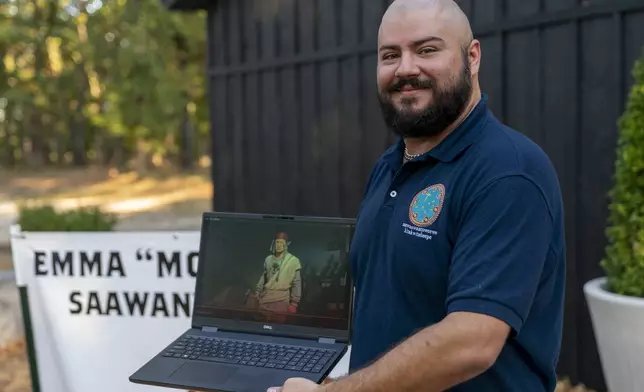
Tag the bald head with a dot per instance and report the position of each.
(428, 65)
(446, 11)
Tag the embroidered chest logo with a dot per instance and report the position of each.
(424, 209)
(426, 206)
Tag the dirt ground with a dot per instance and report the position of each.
(123, 193)
(14, 368)
(5, 260)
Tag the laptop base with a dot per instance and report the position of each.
(206, 375)
(211, 377)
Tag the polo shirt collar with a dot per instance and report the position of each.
(455, 143)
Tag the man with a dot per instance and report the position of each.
(458, 252)
(280, 287)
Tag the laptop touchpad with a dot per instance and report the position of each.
(203, 373)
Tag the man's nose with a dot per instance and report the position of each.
(407, 67)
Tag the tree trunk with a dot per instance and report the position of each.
(187, 143)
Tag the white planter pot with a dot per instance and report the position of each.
(618, 323)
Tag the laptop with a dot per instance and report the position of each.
(273, 300)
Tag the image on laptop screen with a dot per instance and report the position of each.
(272, 271)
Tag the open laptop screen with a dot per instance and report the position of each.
(275, 271)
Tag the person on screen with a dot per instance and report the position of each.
(280, 287)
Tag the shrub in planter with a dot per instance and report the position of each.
(47, 218)
(624, 261)
(616, 301)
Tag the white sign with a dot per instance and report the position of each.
(102, 304)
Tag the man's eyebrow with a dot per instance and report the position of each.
(427, 39)
(415, 43)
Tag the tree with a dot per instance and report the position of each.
(100, 82)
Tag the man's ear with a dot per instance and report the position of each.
(474, 57)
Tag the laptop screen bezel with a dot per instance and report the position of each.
(340, 335)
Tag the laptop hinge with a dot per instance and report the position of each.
(326, 341)
(209, 329)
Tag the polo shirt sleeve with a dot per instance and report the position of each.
(500, 251)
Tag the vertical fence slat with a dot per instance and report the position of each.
(308, 199)
(522, 78)
(376, 135)
(351, 139)
(598, 139)
(633, 46)
(619, 58)
(538, 57)
(572, 281)
(289, 146)
(559, 5)
(270, 126)
(559, 90)
(210, 54)
(328, 137)
(492, 75)
(485, 13)
(252, 105)
(234, 25)
(521, 8)
(499, 7)
(221, 155)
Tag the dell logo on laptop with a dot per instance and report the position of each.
(268, 327)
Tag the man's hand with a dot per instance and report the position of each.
(292, 309)
(296, 385)
(327, 380)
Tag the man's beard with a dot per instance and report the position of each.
(447, 106)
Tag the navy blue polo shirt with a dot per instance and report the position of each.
(476, 224)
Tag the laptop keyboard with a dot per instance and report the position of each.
(256, 354)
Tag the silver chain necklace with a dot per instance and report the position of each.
(409, 156)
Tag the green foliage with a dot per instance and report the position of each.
(47, 218)
(624, 261)
(100, 82)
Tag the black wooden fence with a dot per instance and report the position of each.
(296, 126)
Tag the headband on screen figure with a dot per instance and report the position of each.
(272, 248)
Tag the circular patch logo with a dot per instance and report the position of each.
(427, 205)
